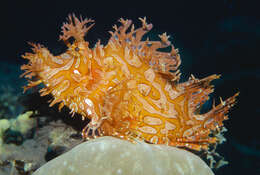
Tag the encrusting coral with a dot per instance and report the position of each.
(22, 124)
(127, 88)
(112, 156)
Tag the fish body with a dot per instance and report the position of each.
(128, 89)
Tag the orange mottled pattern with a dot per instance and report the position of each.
(128, 88)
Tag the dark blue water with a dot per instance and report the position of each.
(220, 37)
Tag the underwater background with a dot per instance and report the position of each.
(213, 37)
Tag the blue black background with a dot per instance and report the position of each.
(217, 36)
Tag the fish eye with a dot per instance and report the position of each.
(77, 49)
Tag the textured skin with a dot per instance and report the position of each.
(127, 88)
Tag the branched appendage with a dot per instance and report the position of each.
(165, 63)
(35, 64)
(218, 113)
(75, 28)
(204, 129)
(89, 131)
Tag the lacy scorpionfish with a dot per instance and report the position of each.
(128, 88)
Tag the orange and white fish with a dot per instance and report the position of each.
(127, 88)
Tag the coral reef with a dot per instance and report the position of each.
(47, 142)
(4, 125)
(22, 124)
(15, 150)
